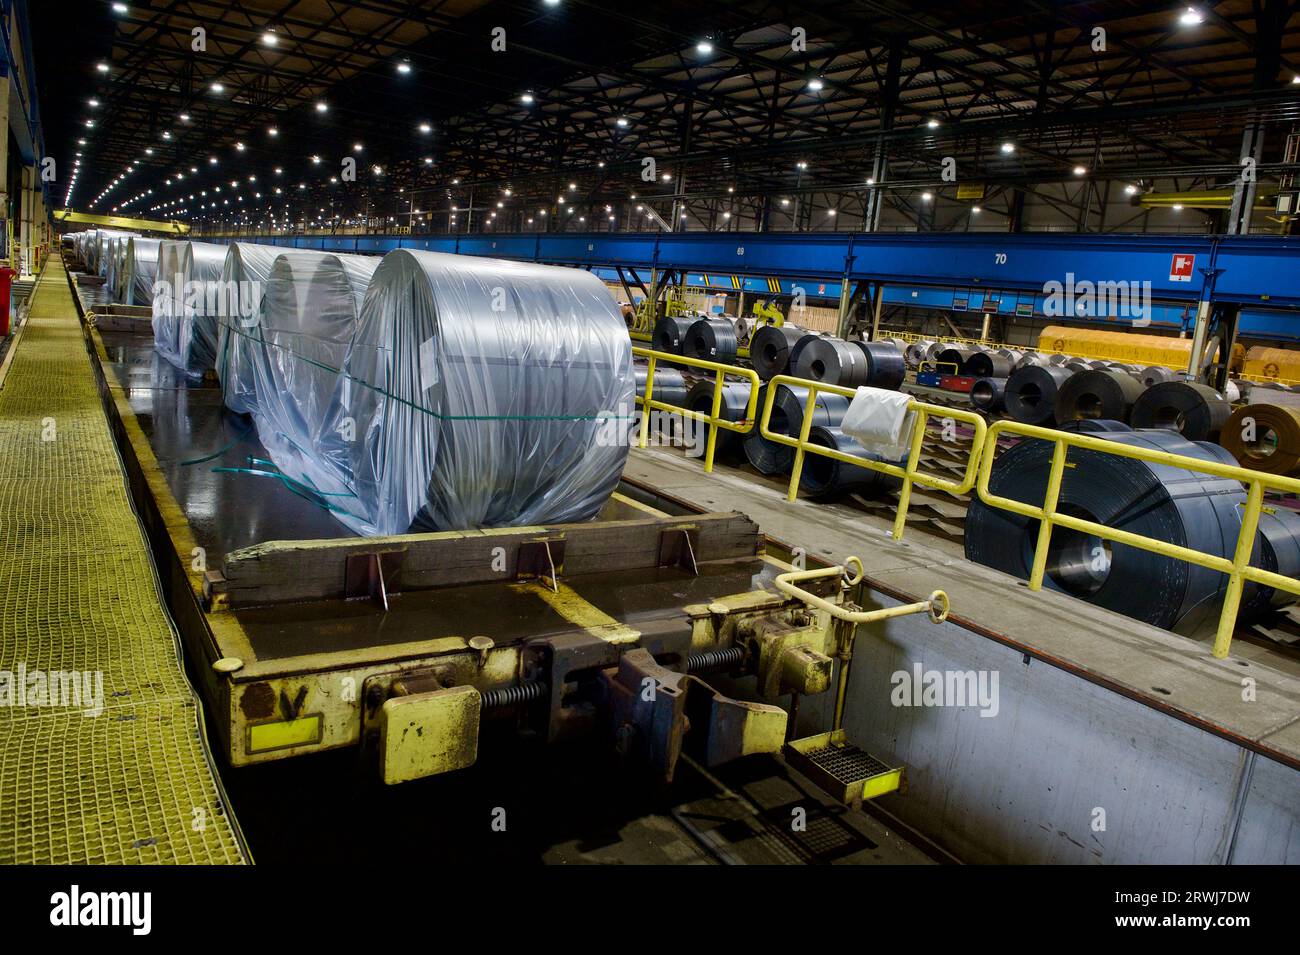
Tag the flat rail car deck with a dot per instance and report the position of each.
(127, 779)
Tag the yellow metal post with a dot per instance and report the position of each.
(649, 396)
(1054, 476)
(1240, 561)
(715, 415)
(805, 429)
(909, 475)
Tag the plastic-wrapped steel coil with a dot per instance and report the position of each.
(1265, 438)
(833, 361)
(823, 478)
(1193, 410)
(670, 334)
(1031, 393)
(770, 348)
(1164, 503)
(712, 339)
(735, 399)
(1154, 375)
(1100, 393)
(769, 457)
(985, 364)
(989, 394)
(886, 367)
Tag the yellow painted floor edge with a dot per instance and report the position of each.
(103, 757)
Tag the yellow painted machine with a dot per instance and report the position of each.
(768, 313)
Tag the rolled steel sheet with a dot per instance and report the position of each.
(986, 364)
(670, 334)
(956, 355)
(918, 352)
(1164, 503)
(1100, 393)
(1154, 375)
(712, 339)
(1193, 410)
(1031, 393)
(1279, 553)
(735, 398)
(807, 339)
(670, 385)
(825, 478)
(469, 416)
(932, 352)
(1264, 437)
(1231, 392)
(769, 457)
(1095, 426)
(189, 301)
(245, 271)
(1032, 358)
(989, 394)
(1077, 365)
(833, 361)
(886, 367)
(1057, 359)
(770, 348)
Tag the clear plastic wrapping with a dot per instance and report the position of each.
(188, 300)
(246, 270)
(439, 390)
(140, 270)
(484, 393)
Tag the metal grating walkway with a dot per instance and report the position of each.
(78, 596)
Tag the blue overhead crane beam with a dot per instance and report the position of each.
(1262, 271)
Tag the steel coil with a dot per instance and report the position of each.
(1279, 553)
(1032, 358)
(670, 334)
(823, 478)
(1057, 359)
(807, 339)
(1193, 410)
(833, 361)
(712, 339)
(1095, 426)
(770, 348)
(1164, 503)
(1031, 393)
(886, 367)
(917, 352)
(735, 401)
(986, 364)
(670, 388)
(1265, 438)
(1231, 392)
(769, 457)
(1154, 375)
(955, 355)
(989, 394)
(1012, 355)
(1100, 393)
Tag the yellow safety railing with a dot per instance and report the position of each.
(909, 474)
(1238, 568)
(714, 418)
